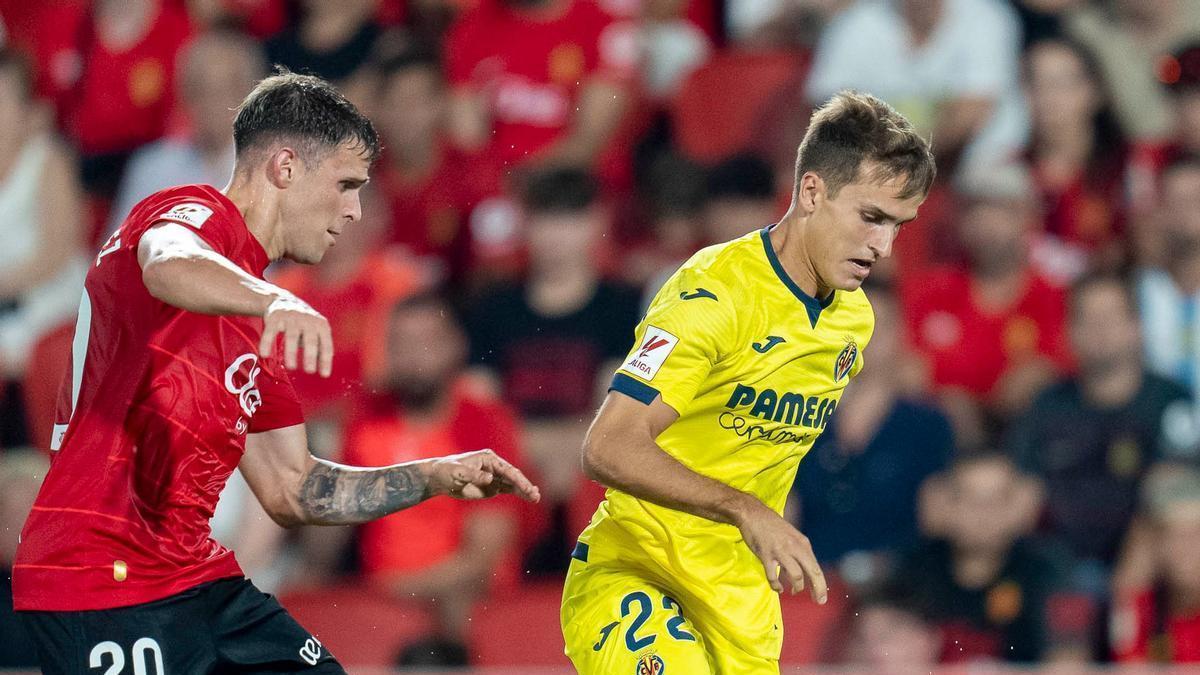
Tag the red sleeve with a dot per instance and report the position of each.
(280, 406)
(203, 217)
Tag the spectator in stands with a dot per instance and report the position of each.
(741, 198)
(42, 262)
(1169, 295)
(331, 39)
(990, 592)
(1157, 617)
(553, 341)
(857, 488)
(1130, 37)
(110, 67)
(21, 473)
(1091, 437)
(993, 327)
(671, 196)
(430, 186)
(1078, 156)
(447, 555)
(541, 81)
(670, 46)
(1181, 73)
(892, 633)
(215, 69)
(951, 66)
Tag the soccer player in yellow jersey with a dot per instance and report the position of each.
(736, 368)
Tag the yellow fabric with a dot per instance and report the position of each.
(730, 344)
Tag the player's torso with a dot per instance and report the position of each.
(148, 431)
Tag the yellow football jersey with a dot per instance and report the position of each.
(755, 368)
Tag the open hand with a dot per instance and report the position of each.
(479, 475)
(786, 554)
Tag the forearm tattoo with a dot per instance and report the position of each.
(341, 495)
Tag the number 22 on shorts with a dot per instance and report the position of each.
(639, 604)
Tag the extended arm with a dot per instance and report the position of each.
(182, 270)
(621, 452)
(296, 488)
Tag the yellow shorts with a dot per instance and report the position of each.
(616, 621)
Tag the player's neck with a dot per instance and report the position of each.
(788, 242)
(260, 212)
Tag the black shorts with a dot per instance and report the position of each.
(225, 626)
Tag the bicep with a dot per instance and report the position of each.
(274, 465)
(621, 414)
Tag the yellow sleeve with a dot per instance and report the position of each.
(687, 329)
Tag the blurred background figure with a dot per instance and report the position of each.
(892, 634)
(214, 67)
(334, 40)
(742, 197)
(431, 187)
(21, 473)
(445, 555)
(1156, 617)
(992, 327)
(1129, 37)
(856, 490)
(1091, 437)
(951, 66)
(1078, 155)
(42, 259)
(987, 589)
(540, 81)
(553, 341)
(1168, 294)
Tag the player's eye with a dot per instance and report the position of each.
(869, 217)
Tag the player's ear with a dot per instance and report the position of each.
(809, 192)
(283, 167)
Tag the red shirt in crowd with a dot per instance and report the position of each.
(425, 535)
(152, 419)
(1088, 212)
(108, 100)
(532, 67)
(971, 348)
(1142, 631)
(431, 214)
(357, 309)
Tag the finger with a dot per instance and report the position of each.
(326, 352)
(772, 569)
(791, 574)
(291, 344)
(311, 341)
(266, 345)
(819, 589)
(513, 479)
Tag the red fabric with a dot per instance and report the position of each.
(108, 101)
(48, 363)
(970, 348)
(424, 535)
(165, 400)
(430, 214)
(357, 309)
(1134, 625)
(746, 84)
(1089, 213)
(532, 71)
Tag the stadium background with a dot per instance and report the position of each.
(1010, 481)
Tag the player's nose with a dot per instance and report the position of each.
(881, 241)
(353, 209)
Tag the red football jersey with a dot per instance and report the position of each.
(151, 421)
(532, 68)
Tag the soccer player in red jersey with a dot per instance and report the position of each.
(176, 379)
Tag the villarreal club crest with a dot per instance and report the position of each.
(651, 664)
(845, 361)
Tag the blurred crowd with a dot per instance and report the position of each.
(1016, 474)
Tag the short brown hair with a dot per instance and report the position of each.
(852, 129)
